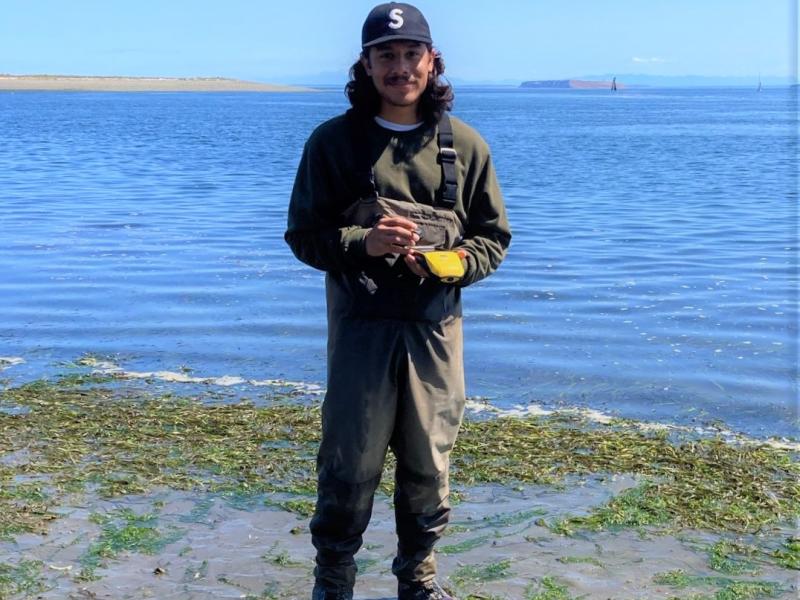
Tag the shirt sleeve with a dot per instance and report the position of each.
(487, 233)
(315, 232)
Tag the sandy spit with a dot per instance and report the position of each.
(64, 83)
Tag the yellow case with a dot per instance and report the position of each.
(444, 264)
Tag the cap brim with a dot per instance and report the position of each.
(399, 38)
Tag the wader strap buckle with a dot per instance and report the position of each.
(447, 158)
(448, 154)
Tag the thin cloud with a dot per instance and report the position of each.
(653, 59)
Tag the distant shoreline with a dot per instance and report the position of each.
(76, 83)
(573, 84)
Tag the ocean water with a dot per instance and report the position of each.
(652, 274)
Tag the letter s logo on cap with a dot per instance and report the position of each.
(396, 18)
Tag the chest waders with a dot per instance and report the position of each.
(395, 380)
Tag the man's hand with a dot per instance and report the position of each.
(412, 262)
(392, 235)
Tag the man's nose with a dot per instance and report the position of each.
(401, 65)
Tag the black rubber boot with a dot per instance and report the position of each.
(421, 590)
(321, 593)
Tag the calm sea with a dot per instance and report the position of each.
(653, 271)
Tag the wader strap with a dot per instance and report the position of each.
(447, 158)
(365, 175)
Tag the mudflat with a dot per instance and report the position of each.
(128, 485)
(65, 83)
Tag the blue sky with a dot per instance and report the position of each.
(295, 42)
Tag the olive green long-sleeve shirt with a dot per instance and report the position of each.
(406, 168)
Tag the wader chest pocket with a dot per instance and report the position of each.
(438, 227)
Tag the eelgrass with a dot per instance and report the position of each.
(464, 546)
(728, 589)
(124, 531)
(572, 560)
(733, 558)
(73, 437)
(481, 573)
(702, 483)
(788, 555)
(24, 577)
(548, 589)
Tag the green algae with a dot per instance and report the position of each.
(270, 593)
(21, 578)
(365, 563)
(574, 560)
(638, 507)
(122, 531)
(745, 590)
(548, 589)
(80, 435)
(702, 483)
(25, 507)
(788, 555)
(729, 589)
(733, 558)
(464, 546)
(480, 573)
(302, 507)
(511, 519)
(281, 557)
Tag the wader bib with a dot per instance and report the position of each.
(395, 379)
(385, 287)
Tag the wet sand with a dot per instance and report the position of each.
(152, 526)
(498, 547)
(65, 83)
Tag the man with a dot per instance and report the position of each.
(376, 188)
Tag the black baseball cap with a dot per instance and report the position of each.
(394, 21)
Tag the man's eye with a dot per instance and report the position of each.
(385, 56)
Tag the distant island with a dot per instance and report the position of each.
(573, 84)
(68, 83)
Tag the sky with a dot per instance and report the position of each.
(482, 41)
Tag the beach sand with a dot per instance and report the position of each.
(63, 83)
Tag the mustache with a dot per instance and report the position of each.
(395, 79)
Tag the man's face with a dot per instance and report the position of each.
(400, 71)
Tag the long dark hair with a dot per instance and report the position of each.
(365, 100)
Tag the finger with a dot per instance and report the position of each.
(397, 245)
(396, 221)
(397, 229)
(405, 240)
(400, 237)
(414, 266)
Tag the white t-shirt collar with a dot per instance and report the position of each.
(395, 126)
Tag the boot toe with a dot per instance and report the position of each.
(422, 590)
